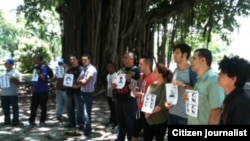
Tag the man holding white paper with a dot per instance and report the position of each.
(211, 95)
(184, 78)
(145, 65)
(126, 104)
(9, 96)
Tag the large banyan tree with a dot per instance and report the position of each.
(106, 29)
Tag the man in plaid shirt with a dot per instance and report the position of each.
(87, 79)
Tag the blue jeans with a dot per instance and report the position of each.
(87, 102)
(12, 101)
(176, 120)
(75, 107)
(61, 100)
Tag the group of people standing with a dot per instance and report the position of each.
(221, 96)
(128, 115)
(78, 98)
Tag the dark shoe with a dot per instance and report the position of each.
(32, 123)
(81, 128)
(41, 124)
(108, 124)
(70, 125)
(59, 119)
(73, 133)
(6, 123)
(15, 124)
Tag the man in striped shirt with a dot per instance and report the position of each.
(87, 79)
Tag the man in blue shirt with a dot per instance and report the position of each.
(40, 92)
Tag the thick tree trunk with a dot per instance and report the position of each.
(106, 30)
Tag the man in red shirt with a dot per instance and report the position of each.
(145, 65)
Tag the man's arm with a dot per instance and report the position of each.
(15, 81)
(214, 116)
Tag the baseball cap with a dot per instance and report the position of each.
(61, 61)
(10, 61)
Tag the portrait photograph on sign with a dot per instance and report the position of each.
(59, 71)
(149, 103)
(171, 93)
(133, 85)
(34, 75)
(68, 80)
(120, 81)
(192, 103)
(4, 81)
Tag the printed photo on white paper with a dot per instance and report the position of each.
(193, 96)
(133, 85)
(68, 80)
(192, 103)
(171, 93)
(59, 71)
(34, 75)
(192, 109)
(149, 103)
(4, 81)
(120, 81)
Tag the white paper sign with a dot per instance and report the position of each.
(133, 85)
(149, 103)
(171, 93)
(59, 71)
(35, 75)
(4, 81)
(192, 103)
(120, 81)
(68, 80)
(247, 86)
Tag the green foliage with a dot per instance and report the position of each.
(27, 48)
(8, 34)
(43, 21)
(33, 9)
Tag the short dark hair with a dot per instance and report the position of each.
(148, 60)
(205, 53)
(86, 55)
(234, 66)
(74, 55)
(185, 48)
(112, 64)
(39, 56)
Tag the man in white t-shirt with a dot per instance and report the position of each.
(111, 76)
(9, 96)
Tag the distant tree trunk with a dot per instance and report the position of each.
(109, 36)
(106, 30)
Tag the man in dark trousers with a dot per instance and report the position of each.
(126, 105)
(40, 93)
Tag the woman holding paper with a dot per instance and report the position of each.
(155, 112)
